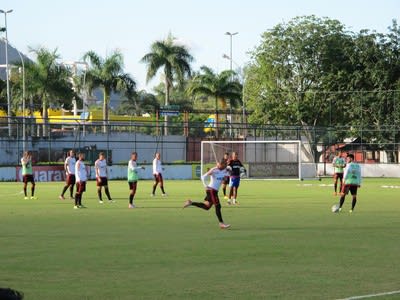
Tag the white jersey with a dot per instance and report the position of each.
(80, 171)
(157, 167)
(101, 168)
(216, 177)
(70, 165)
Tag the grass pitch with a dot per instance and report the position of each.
(284, 243)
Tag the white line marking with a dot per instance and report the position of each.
(371, 295)
(390, 186)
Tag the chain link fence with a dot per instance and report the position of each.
(50, 141)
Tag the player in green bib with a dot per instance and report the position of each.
(27, 174)
(133, 178)
(338, 163)
(351, 180)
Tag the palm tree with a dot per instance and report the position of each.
(137, 103)
(49, 82)
(175, 59)
(221, 87)
(108, 75)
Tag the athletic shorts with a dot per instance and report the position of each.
(339, 176)
(101, 181)
(350, 188)
(234, 182)
(28, 178)
(132, 184)
(212, 196)
(80, 187)
(70, 180)
(158, 178)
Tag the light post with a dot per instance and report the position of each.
(23, 103)
(231, 60)
(230, 38)
(7, 72)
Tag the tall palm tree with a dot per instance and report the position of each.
(222, 87)
(107, 74)
(175, 59)
(49, 82)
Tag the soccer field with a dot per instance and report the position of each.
(285, 243)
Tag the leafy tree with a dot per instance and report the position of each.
(293, 63)
(138, 103)
(174, 59)
(221, 87)
(375, 77)
(107, 74)
(49, 82)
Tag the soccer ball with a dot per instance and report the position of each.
(335, 208)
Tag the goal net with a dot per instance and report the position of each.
(262, 159)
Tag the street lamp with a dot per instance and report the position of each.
(7, 74)
(231, 60)
(23, 103)
(230, 37)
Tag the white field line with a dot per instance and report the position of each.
(371, 295)
(390, 186)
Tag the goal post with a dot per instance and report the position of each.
(262, 159)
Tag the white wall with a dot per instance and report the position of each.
(368, 170)
(116, 172)
(186, 171)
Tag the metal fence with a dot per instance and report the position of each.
(50, 141)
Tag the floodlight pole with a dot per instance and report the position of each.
(7, 73)
(231, 61)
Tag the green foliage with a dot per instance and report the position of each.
(107, 74)
(138, 103)
(312, 72)
(173, 58)
(222, 88)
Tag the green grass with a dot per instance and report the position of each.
(284, 243)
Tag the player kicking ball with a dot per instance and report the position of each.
(216, 175)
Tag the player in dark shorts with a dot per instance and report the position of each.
(225, 181)
(157, 173)
(27, 174)
(234, 181)
(338, 163)
(216, 175)
(101, 169)
(81, 178)
(133, 178)
(69, 167)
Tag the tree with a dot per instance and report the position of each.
(376, 78)
(290, 68)
(138, 103)
(221, 87)
(174, 59)
(49, 82)
(107, 74)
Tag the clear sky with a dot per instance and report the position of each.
(76, 26)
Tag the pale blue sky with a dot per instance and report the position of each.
(75, 27)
